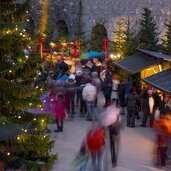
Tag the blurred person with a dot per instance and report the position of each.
(70, 95)
(89, 95)
(162, 104)
(50, 79)
(115, 86)
(103, 72)
(145, 106)
(131, 103)
(89, 65)
(107, 88)
(60, 111)
(152, 106)
(80, 84)
(114, 137)
(121, 96)
(60, 67)
(97, 83)
(79, 80)
(96, 141)
(163, 132)
(97, 66)
(54, 86)
(81, 160)
(127, 86)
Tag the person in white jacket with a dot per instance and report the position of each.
(89, 95)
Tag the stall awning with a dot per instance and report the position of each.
(155, 54)
(136, 63)
(161, 81)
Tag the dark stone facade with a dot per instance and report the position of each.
(82, 15)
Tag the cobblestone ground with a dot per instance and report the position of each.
(137, 152)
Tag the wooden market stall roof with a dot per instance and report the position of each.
(155, 54)
(136, 63)
(161, 81)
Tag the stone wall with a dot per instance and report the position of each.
(108, 11)
(82, 15)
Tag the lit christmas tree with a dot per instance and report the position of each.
(23, 137)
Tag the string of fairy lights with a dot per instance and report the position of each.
(22, 32)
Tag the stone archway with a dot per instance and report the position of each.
(62, 31)
(30, 27)
(98, 33)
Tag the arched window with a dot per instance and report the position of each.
(62, 31)
(98, 33)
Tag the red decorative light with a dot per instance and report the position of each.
(105, 44)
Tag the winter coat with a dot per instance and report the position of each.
(60, 109)
(80, 84)
(127, 87)
(89, 93)
(61, 66)
(97, 67)
(132, 101)
(69, 89)
(96, 81)
(144, 100)
(107, 85)
(115, 89)
(103, 75)
(96, 139)
(121, 95)
(55, 86)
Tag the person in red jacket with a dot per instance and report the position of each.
(60, 111)
(96, 142)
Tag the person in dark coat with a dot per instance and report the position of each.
(144, 106)
(79, 80)
(61, 67)
(114, 136)
(107, 88)
(70, 94)
(97, 66)
(121, 96)
(97, 83)
(131, 102)
(80, 84)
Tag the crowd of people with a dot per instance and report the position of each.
(81, 90)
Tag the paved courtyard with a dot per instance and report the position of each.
(137, 151)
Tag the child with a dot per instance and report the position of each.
(60, 111)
